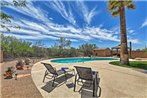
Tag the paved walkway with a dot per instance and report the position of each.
(23, 87)
(115, 81)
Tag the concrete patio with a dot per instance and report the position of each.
(115, 81)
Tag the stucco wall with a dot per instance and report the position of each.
(102, 53)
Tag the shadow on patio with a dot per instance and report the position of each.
(58, 82)
(86, 90)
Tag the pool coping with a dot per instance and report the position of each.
(82, 57)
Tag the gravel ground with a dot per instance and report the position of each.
(23, 87)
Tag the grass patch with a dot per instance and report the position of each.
(134, 64)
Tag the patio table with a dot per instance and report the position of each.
(67, 71)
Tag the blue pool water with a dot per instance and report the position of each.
(76, 60)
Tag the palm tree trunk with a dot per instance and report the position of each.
(124, 58)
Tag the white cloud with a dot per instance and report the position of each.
(67, 11)
(86, 13)
(22, 36)
(54, 31)
(33, 25)
(133, 41)
(131, 31)
(27, 34)
(32, 11)
(62, 10)
(102, 34)
(144, 23)
(90, 15)
(50, 30)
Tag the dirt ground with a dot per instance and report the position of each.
(23, 87)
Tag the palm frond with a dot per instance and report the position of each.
(127, 2)
(113, 5)
(115, 13)
(131, 6)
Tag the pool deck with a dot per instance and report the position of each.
(115, 81)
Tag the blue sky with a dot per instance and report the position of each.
(79, 21)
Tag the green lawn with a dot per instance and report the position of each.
(134, 64)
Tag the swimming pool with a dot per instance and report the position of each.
(77, 60)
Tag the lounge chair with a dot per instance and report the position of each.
(53, 72)
(86, 74)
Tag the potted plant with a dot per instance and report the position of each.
(20, 64)
(9, 72)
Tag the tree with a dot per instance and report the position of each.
(73, 52)
(138, 50)
(39, 50)
(13, 47)
(63, 43)
(87, 48)
(5, 18)
(145, 50)
(117, 8)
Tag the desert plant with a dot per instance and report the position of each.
(27, 61)
(20, 64)
(9, 69)
(9, 72)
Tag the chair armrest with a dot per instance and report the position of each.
(54, 68)
(42, 62)
(96, 73)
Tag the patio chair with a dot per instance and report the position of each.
(53, 72)
(85, 74)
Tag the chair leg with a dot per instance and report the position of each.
(65, 76)
(99, 91)
(45, 75)
(75, 83)
(94, 88)
(53, 81)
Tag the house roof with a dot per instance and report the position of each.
(101, 48)
(118, 47)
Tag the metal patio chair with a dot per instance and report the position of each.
(85, 74)
(53, 72)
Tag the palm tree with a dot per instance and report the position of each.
(117, 8)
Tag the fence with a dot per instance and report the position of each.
(107, 53)
(138, 54)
